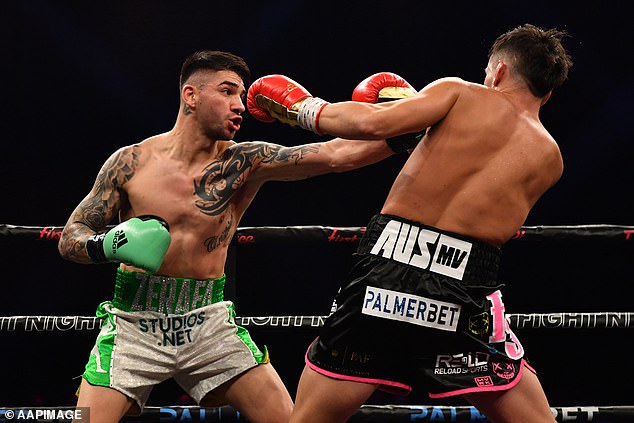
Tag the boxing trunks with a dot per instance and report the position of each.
(420, 307)
(158, 327)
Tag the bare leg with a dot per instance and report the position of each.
(258, 393)
(106, 405)
(524, 403)
(326, 400)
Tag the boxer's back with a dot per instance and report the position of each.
(479, 170)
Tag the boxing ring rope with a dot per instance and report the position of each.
(330, 234)
(599, 320)
(314, 235)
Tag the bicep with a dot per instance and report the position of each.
(103, 202)
(428, 107)
(99, 207)
(91, 215)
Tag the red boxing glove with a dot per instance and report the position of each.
(279, 97)
(382, 86)
(387, 86)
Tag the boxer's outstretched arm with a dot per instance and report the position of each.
(385, 120)
(276, 162)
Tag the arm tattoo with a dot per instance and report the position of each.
(226, 175)
(103, 202)
(293, 154)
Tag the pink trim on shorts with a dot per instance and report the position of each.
(388, 386)
(486, 388)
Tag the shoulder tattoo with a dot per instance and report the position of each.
(225, 175)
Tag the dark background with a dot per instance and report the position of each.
(81, 79)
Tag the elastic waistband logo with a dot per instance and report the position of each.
(423, 248)
(167, 295)
(410, 308)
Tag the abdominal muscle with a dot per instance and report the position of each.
(188, 257)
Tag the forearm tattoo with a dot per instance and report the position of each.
(224, 176)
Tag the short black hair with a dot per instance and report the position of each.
(541, 59)
(216, 61)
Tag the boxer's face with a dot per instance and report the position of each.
(217, 99)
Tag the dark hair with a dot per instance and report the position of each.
(216, 61)
(539, 56)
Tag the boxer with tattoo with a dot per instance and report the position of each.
(179, 197)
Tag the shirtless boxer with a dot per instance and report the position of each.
(422, 304)
(179, 197)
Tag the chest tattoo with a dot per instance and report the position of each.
(215, 241)
(224, 176)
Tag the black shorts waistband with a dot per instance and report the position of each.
(428, 248)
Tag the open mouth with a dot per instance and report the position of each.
(236, 122)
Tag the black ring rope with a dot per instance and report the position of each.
(337, 235)
(599, 320)
(366, 413)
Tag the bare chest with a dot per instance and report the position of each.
(181, 194)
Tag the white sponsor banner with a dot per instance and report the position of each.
(410, 308)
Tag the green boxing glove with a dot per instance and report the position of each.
(140, 242)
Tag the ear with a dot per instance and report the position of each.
(501, 71)
(546, 97)
(188, 95)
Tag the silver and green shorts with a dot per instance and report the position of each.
(159, 327)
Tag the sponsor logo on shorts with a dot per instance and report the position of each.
(410, 308)
(463, 363)
(167, 295)
(173, 330)
(483, 381)
(504, 370)
(423, 248)
(479, 323)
